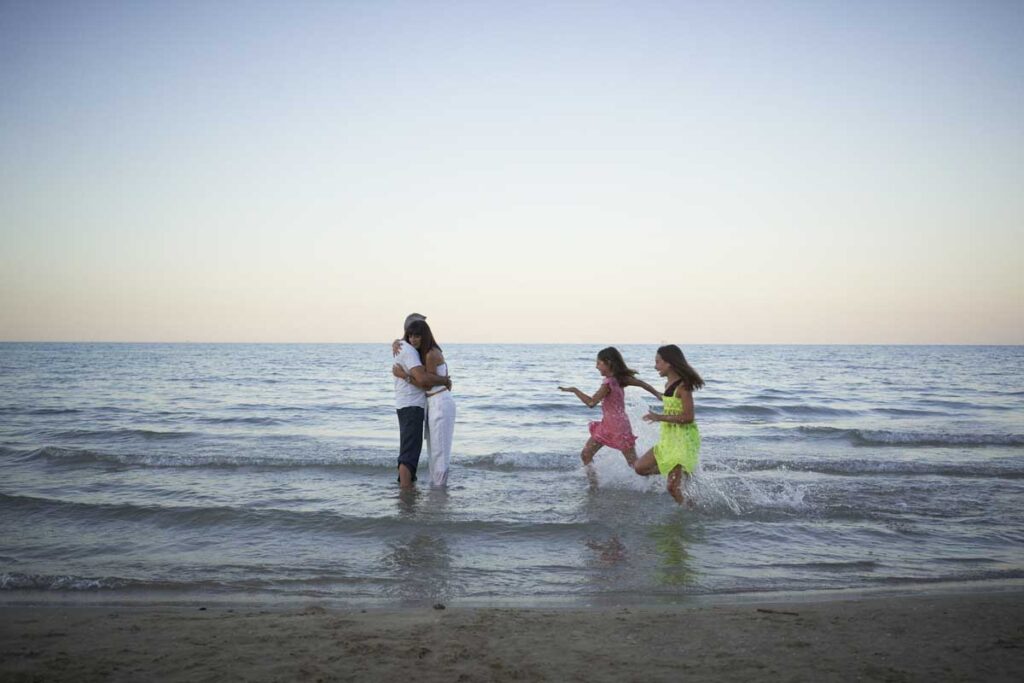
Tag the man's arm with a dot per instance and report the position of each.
(416, 373)
(423, 379)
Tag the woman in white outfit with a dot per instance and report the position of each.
(440, 404)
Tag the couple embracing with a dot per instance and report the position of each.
(423, 398)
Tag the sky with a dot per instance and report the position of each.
(594, 172)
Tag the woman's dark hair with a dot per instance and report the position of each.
(613, 358)
(421, 329)
(673, 355)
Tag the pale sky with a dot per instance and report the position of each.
(687, 172)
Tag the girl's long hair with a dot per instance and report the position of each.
(620, 370)
(673, 355)
(427, 341)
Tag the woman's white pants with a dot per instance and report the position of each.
(440, 430)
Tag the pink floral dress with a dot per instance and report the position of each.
(614, 429)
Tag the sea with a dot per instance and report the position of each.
(268, 472)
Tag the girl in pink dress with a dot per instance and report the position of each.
(614, 429)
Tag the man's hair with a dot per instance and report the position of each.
(411, 318)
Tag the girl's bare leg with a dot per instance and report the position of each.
(590, 449)
(675, 478)
(646, 465)
(630, 454)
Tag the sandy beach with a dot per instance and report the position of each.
(937, 636)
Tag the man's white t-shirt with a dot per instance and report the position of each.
(406, 393)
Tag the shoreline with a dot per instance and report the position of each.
(938, 635)
(157, 598)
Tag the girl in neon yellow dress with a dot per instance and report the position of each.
(675, 454)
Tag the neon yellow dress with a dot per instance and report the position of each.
(679, 444)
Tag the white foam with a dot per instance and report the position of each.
(741, 493)
(613, 472)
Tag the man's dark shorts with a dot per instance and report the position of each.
(410, 427)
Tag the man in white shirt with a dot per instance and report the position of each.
(411, 404)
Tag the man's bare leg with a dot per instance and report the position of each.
(404, 477)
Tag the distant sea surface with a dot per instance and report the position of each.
(269, 470)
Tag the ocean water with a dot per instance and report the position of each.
(269, 471)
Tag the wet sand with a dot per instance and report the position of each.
(926, 637)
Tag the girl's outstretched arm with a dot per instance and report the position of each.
(634, 382)
(589, 401)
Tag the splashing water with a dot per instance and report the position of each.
(723, 487)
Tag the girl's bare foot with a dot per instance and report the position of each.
(674, 481)
(677, 494)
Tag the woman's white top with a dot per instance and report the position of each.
(441, 371)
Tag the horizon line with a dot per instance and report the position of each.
(501, 343)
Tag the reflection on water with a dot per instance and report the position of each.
(419, 565)
(420, 568)
(407, 501)
(423, 502)
(675, 566)
(608, 552)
